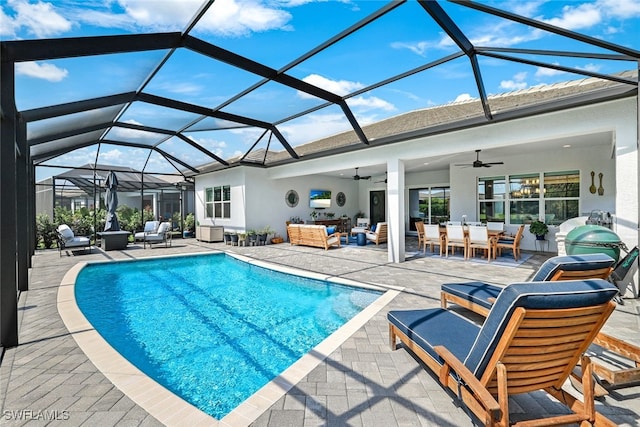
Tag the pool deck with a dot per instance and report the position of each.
(361, 383)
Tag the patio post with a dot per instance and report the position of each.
(395, 210)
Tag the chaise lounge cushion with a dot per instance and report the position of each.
(483, 294)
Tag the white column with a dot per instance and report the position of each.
(395, 210)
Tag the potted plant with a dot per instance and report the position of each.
(189, 225)
(262, 235)
(252, 237)
(539, 228)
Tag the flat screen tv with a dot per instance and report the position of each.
(319, 199)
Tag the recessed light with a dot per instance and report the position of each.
(566, 146)
(425, 163)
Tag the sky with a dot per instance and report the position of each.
(277, 33)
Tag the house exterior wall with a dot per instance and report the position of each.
(604, 139)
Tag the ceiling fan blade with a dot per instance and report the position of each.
(494, 163)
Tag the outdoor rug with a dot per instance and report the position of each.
(505, 260)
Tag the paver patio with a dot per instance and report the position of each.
(362, 383)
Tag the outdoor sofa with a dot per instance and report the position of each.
(312, 235)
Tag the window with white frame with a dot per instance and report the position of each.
(552, 196)
(218, 202)
(491, 198)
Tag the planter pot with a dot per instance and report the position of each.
(277, 240)
(234, 239)
(541, 237)
(262, 239)
(227, 238)
(187, 234)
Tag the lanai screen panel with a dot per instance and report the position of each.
(145, 114)
(69, 122)
(74, 79)
(276, 34)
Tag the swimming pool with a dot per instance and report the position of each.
(210, 328)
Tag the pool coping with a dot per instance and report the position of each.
(169, 408)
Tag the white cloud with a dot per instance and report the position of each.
(369, 103)
(419, 48)
(112, 155)
(577, 17)
(39, 19)
(241, 17)
(463, 97)
(590, 67)
(625, 9)
(44, 71)
(339, 87)
(313, 127)
(518, 82)
(547, 72)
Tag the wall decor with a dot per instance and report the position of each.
(292, 198)
(600, 188)
(592, 187)
(341, 199)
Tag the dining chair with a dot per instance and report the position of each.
(455, 238)
(479, 239)
(504, 242)
(432, 237)
(420, 230)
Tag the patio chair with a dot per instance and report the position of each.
(432, 237)
(379, 235)
(420, 230)
(68, 241)
(512, 243)
(149, 227)
(162, 235)
(479, 239)
(532, 339)
(362, 226)
(455, 238)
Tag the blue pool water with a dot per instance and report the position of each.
(210, 328)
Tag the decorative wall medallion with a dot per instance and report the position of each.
(341, 199)
(376, 200)
(291, 198)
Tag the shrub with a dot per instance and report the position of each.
(45, 231)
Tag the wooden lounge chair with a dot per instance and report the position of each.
(479, 296)
(533, 337)
(379, 235)
(615, 361)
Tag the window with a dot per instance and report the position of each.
(524, 192)
(554, 196)
(561, 196)
(218, 202)
(491, 195)
(430, 205)
(208, 202)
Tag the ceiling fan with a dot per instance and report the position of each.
(479, 163)
(357, 177)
